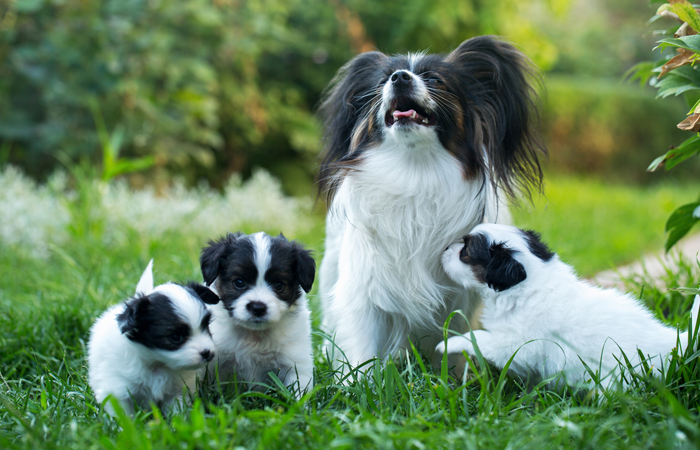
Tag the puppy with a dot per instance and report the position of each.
(416, 148)
(147, 349)
(535, 305)
(263, 322)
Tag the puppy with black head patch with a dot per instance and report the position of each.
(536, 306)
(263, 322)
(147, 349)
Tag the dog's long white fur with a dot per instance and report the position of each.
(552, 318)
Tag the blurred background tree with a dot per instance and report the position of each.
(215, 87)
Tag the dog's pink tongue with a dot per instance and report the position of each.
(399, 114)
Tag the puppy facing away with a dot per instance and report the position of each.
(417, 147)
(263, 322)
(147, 349)
(534, 304)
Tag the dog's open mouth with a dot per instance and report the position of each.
(405, 111)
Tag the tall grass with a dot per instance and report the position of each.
(51, 291)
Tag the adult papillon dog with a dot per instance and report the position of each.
(418, 148)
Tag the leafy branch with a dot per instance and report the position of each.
(677, 75)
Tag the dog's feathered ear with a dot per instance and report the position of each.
(207, 295)
(503, 270)
(347, 94)
(214, 253)
(306, 268)
(145, 284)
(128, 319)
(507, 110)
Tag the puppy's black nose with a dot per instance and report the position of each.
(207, 355)
(401, 78)
(258, 309)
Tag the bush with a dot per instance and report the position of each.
(604, 127)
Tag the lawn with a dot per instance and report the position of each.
(71, 248)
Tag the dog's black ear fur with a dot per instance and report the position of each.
(503, 271)
(503, 83)
(306, 268)
(536, 246)
(207, 295)
(135, 307)
(214, 253)
(344, 99)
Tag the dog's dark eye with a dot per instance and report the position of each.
(279, 287)
(239, 283)
(176, 338)
(433, 80)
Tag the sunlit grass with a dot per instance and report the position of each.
(49, 299)
(596, 225)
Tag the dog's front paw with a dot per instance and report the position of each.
(456, 344)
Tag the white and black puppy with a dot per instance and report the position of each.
(263, 322)
(416, 146)
(147, 349)
(534, 304)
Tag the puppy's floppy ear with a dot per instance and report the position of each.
(135, 307)
(306, 268)
(503, 84)
(214, 253)
(207, 295)
(503, 271)
(536, 246)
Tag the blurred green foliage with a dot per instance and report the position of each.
(604, 127)
(208, 88)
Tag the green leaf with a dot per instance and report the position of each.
(125, 165)
(641, 71)
(685, 11)
(680, 222)
(677, 155)
(686, 290)
(673, 84)
(691, 43)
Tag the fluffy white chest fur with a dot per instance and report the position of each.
(390, 220)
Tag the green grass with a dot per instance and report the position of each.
(596, 225)
(47, 306)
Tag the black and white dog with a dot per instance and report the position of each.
(417, 146)
(263, 322)
(536, 306)
(149, 348)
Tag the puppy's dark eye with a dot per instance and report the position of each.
(239, 283)
(463, 252)
(279, 287)
(176, 338)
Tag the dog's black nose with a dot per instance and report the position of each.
(258, 309)
(207, 355)
(401, 78)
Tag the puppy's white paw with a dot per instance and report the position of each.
(456, 344)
